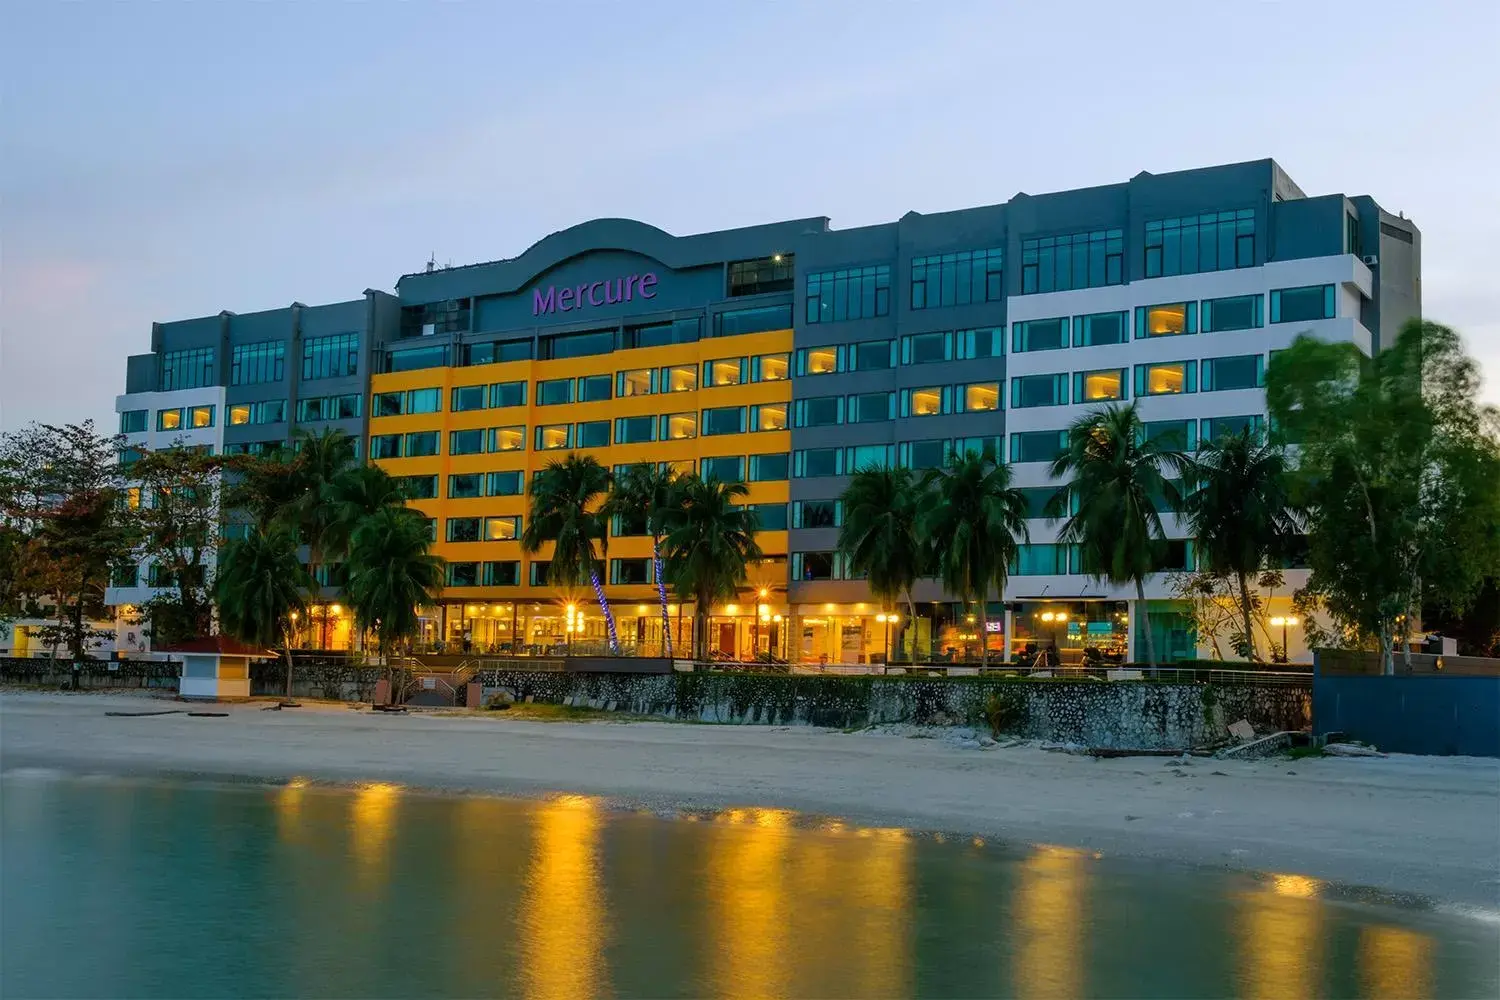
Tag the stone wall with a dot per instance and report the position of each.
(1117, 714)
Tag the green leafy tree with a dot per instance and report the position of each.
(265, 487)
(321, 458)
(646, 495)
(1399, 471)
(881, 537)
(179, 519)
(1114, 478)
(351, 497)
(568, 509)
(391, 573)
(1241, 514)
(975, 522)
(710, 546)
(260, 585)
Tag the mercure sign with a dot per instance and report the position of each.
(593, 293)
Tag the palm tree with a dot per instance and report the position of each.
(973, 522)
(391, 572)
(1115, 475)
(259, 586)
(352, 495)
(881, 537)
(1240, 512)
(266, 485)
(568, 510)
(648, 491)
(710, 545)
(320, 459)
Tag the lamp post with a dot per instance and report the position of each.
(570, 627)
(888, 620)
(1284, 621)
(294, 626)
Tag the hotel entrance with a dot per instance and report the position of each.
(1083, 633)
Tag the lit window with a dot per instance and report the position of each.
(925, 402)
(239, 414)
(770, 368)
(168, 420)
(1167, 320)
(822, 360)
(725, 371)
(502, 529)
(1099, 386)
(550, 437)
(638, 382)
(679, 378)
(981, 396)
(508, 438)
(679, 426)
(769, 417)
(1166, 379)
(201, 416)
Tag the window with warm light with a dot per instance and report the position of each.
(239, 414)
(770, 368)
(679, 426)
(1168, 320)
(508, 438)
(1168, 378)
(551, 437)
(768, 417)
(818, 360)
(168, 420)
(502, 529)
(636, 382)
(724, 371)
(979, 397)
(200, 416)
(923, 402)
(1100, 386)
(679, 378)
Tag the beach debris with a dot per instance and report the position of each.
(1073, 748)
(208, 715)
(1263, 747)
(137, 715)
(1351, 750)
(986, 742)
(1242, 730)
(1017, 742)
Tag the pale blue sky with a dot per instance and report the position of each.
(167, 160)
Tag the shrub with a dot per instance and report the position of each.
(1005, 711)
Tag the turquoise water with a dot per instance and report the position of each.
(154, 889)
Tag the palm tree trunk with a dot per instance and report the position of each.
(1245, 613)
(700, 628)
(1145, 619)
(609, 619)
(984, 632)
(661, 593)
(286, 639)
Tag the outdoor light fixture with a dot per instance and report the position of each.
(336, 609)
(1284, 621)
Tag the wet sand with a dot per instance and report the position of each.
(1422, 825)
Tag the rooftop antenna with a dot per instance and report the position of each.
(431, 263)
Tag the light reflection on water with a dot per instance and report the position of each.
(375, 891)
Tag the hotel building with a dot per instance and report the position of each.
(788, 355)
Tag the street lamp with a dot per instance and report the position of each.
(888, 620)
(1284, 621)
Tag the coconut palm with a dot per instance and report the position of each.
(1240, 512)
(647, 493)
(266, 486)
(320, 459)
(568, 510)
(1114, 477)
(391, 573)
(354, 494)
(710, 544)
(259, 586)
(974, 522)
(881, 537)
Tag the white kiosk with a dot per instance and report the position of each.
(216, 668)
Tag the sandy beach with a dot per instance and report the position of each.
(1421, 825)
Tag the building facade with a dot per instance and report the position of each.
(789, 355)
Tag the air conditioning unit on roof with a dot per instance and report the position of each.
(1371, 259)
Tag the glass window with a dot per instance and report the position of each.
(759, 320)
(421, 443)
(1037, 446)
(1098, 329)
(551, 437)
(388, 404)
(872, 355)
(466, 442)
(502, 529)
(679, 426)
(508, 394)
(987, 446)
(424, 401)
(463, 574)
(1352, 241)
(504, 484)
(465, 485)
(200, 416)
(927, 401)
(168, 420)
(1169, 320)
(921, 455)
(1218, 427)
(820, 411)
(463, 529)
(253, 364)
(239, 413)
(594, 388)
(979, 397)
(1099, 386)
(493, 352)
(677, 331)
(411, 359)
(635, 382)
(1166, 378)
(762, 274)
(1039, 500)
(768, 417)
(504, 573)
(418, 487)
(1213, 241)
(812, 565)
(1174, 555)
(723, 420)
(770, 467)
(814, 462)
(511, 438)
(849, 293)
(629, 572)
(817, 514)
(1038, 390)
(679, 378)
(726, 468)
(1173, 435)
(771, 516)
(1242, 312)
(920, 348)
(1302, 305)
(957, 279)
(1078, 260)
(871, 407)
(724, 371)
(1039, 335)
(554, 392)
(869, 456)
(770, 368)
(635, 430)
(982, 343)
(820, 360)
(1040, 560)
(593, 434)
(187, 369)
(576, 345)
(330, 357)
(467, 397)
(1245, 371)
(385, 445)
(134, 421)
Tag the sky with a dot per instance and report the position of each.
(168, 160)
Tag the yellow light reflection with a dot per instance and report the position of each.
(1281, 939)
(1049, 912)
(562, 913)
(289, 808)
(372, 823)
(1302, 886)
(1395, 963)
(879, 877)
(752, 904)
